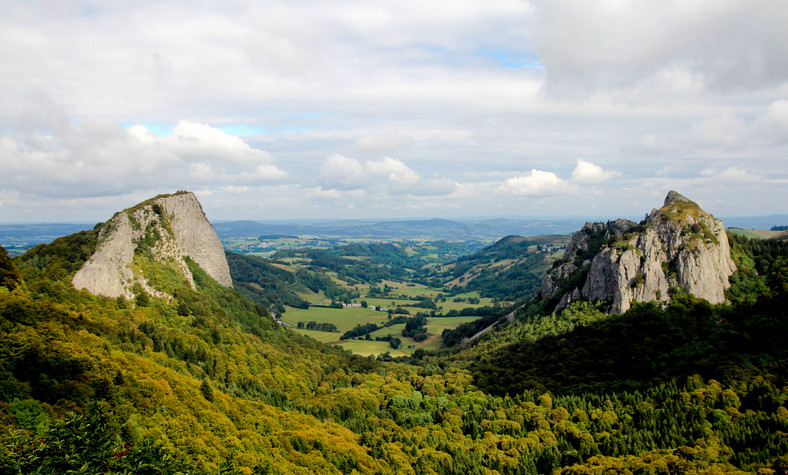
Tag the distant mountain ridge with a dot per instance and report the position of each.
(433, 229)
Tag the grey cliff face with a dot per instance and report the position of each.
(195, 236)
(678, 245)
(581, 249)
(181, 230)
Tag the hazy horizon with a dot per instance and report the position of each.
(725, 219)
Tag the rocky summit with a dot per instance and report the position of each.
(166, 230)
(678, 245)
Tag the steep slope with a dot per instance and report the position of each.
(678, 245)
(167, 230)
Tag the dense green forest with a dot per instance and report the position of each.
(208, 383)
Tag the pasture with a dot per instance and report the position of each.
(347, 318)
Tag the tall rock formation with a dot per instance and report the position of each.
(165, 230)
(678, 245)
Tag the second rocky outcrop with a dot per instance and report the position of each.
(678, 245)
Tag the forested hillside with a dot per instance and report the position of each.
(207, 382)
(511, 269)
(272, 285)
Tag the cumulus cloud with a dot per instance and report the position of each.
(387, 175)
(536, 183)
(546, 183)
(587, 173)
(193, 141)
(99, 158)
(393, 171)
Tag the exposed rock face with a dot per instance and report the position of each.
(678, 245)
(583, 246)
(171, 227)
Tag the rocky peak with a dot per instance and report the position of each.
(678, 245)
(165, 230)
(674, 196)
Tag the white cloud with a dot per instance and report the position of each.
(536, 183)
(319, 194)
(392, 170)
(588, 173)
(732, 176)
(99, 158)
(387, 176)
(196, 141)
(343, 173)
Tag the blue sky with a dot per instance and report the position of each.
(378, 109)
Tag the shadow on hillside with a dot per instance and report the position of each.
(645, 346)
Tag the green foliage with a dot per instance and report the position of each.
(9, 275)
(321, 327)
(623, 243)
(380, 261)
(667, 345)
(263, 282)
(755, 259)
(83, 444)
(416, 328)
(359, 330)
(61, 258)
(489, 315)
(511, 269)
(595, 239)
(226, 303)
(206, 390)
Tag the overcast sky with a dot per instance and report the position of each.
(382, 109)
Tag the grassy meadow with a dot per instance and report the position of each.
(347, 318)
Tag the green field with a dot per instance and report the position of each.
(343, 318)
(347, 318)
(401, 295)
(373, 348)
